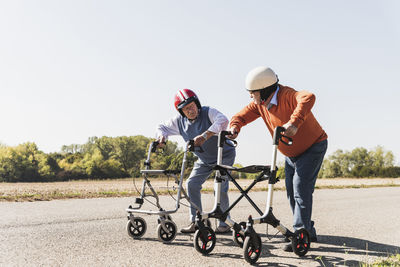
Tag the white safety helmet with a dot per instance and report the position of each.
(260, 78)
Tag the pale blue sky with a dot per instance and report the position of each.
(74, 69)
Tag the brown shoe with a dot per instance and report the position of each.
(191, 228)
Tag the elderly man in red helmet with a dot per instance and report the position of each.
(201, 124)
(280, 105)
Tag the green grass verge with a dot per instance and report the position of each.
(37, 196)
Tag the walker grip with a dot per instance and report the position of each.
(278, 136)
(194, 148)
(154, 146)
(222, 139)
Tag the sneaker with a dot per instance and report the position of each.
(191, 228)
(223, 229)
(288, 247)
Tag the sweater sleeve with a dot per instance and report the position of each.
(248, 114)
(303, 102)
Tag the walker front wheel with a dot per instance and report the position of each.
(301, 242)
(238, 238)
(168, 234)
(204, 243)
(252, 249)
(136, 227)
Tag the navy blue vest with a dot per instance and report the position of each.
(190, 130)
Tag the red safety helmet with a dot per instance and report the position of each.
(184, 97)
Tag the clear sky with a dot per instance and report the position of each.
(74, 69)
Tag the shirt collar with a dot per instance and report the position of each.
(274, 99)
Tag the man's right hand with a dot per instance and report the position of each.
(234, 131)
(161, 141)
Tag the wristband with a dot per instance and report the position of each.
(204, 135)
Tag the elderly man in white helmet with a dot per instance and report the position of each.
(280, 105)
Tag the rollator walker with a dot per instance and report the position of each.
(166, 229)
(244, 234)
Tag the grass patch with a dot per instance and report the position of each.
(391, 261)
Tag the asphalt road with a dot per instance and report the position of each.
(353, 225)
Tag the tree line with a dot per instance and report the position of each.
(360, 163)
(124, 156)
(98, 158)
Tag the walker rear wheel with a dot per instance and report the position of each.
(301, 242)
(169, 235)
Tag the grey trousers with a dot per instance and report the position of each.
(198, 176)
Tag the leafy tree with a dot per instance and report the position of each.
(20, 163)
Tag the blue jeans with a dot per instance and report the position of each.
(194, 183)
(301, 174)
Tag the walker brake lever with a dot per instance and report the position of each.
(223, 138)
(289, 142)
(229, 143)
(278, 136)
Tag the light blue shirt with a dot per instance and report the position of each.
(274, 99)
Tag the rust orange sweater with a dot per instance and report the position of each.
(294, 107)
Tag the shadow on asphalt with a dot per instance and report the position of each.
(326, 244)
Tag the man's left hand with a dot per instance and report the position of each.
(199, 140)
(290, 129)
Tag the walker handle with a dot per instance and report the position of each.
(194, 148)
(278, 136)
(154, 145)
(222, 139)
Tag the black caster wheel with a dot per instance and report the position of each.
(301, 242)
(252, 249)
(238, 238)
(136, 228)
(166, 235)
(204, 244)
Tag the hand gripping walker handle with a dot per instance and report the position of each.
(278, 136)
(222, 139)
(194, 148)
(154, 145)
